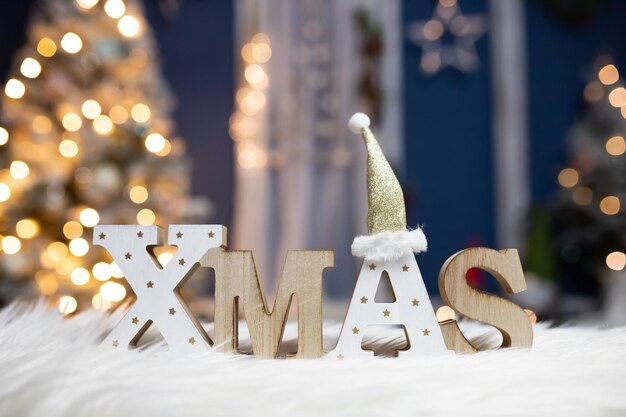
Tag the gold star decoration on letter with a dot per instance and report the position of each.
(355, 330)
(149, 284)
(191, 340)
(135, 320)
(116, 343)
(386, 313)
(128, 255)
(340, 356)
(405, 268)
(102, 236)
(426, 332)
(172, 311)
(372, 267)
(211, 235)
(363, 300)
(181, 261)
(179, 235)
(415, 302)
(139, 234)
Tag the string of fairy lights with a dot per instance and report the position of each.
(63, 258)
(245, 122)
(615, 146)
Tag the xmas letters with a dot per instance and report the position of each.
(159, 302)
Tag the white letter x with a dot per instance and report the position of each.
(157, 288)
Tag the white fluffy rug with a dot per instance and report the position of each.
(50, 366)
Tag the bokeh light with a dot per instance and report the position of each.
(89, 217)
(79, 246)
(27, 228)
(67, 304)
(593, 91)
(616, 261)
(86, 4)
(30, 68)
(610, 205)
(138, 194)
(261, 52)
(608, 74)
(445, 313)
(4, 136)
(568, 177)
(118, 114)
(100, 303)
(11, 245)
(616, 145)
(91, 109)
(41, 124)
(129, 26)
(165, 258)
(113, 291)
(68, 148)
(583, 196)
(79, 276)
(57, 251)
(72, 122)
(254, 74)
(72, 229)
(47, 282)
(167, 148)
(155, 142)
(146, 217)
(140, 113)
(46, 47)
(103, 125)
(116, 272)
(14, 89)
(5, 192)
(101, 271)
(115, 8)
(71, 43)
(617, 97)
(19, 170)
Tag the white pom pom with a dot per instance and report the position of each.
(358, 121)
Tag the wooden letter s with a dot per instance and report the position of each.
(505, 315)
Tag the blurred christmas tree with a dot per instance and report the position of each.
(590, 222)
(86, 122)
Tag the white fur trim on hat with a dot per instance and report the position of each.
(389, 246)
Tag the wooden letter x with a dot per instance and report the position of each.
(157, 288)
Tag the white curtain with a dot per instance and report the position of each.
(300, 181)
(510, 120)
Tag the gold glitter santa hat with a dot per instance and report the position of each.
(388, 237)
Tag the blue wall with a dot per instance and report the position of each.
(448, 129)
(448, 151)
(197, 51)
(561, 58)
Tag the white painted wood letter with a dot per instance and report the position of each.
(157, 288)
(412, 309)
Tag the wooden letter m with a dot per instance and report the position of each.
(236, 279)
